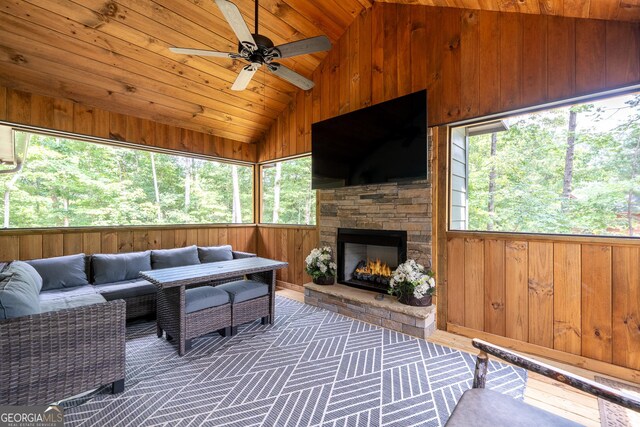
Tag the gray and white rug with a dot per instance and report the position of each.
(312, 367)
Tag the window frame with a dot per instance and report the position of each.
(16, 127)
(260, 193)
(465, 124)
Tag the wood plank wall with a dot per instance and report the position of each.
(68, 116)
(473, 63)
(573, 295)
(291, 244)
(27, 245)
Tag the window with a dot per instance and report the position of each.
(72, 183)
(287, 197)
(569, 170)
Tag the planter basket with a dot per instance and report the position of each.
(324, 280)
(418, 302)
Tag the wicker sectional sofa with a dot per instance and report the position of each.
(62, 331)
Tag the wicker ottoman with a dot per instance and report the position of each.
(250, 300)
(206, 309)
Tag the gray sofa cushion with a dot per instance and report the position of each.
(61, 272)
(244, 290)
(215, 253)
(78, 291)
(19, 289)
(126, 289)
(166, 258)
(68, 302)
(483, 407)
(109, 268)
(197, 299)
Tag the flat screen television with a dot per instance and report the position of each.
(386, 142)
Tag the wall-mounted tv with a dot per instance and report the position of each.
(386, 142)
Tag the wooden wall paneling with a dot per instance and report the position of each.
(418, 16)
(541, 293)
(533, 59)
(567, 289)
(404, 28)
(354, 65)
(596, 302)
(440, 202)
(489, 45)
(365, 71)
(456, 299)
(390, 52)
(125, 241)
(451, 71)
(494, 287)
(377, 54)
(3, 103)
(9, 248)
(511, 67)
(344, 78)
(82, 119)
(52, 245)
(299, 256)
(434, 60)
(561, 57)
(300, 114)
(223, 237)
(30, 246)
(469, 64)
(63, 114)
(623, 58)
(590, 55)
(109, 242)
(100, 123)
(474, 284)
(626, 306)
(18, 106)
(517, 290)
(203, 237)
(72, 243)
(285, 250)
(92, 243)
(168, 239)
(41, 111)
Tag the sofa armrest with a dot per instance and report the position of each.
(239, 255)
(51, 356)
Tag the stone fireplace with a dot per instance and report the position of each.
(366, 257)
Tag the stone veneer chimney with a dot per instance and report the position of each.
(398, 206)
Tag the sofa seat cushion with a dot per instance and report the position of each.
(483, 407)
(215, 253)
(110, 268)
(244, 290)
(167, 258)
(57, 304)
(126, 289)
(202, 297)
(19, 291)
(79, 291)
(61, 272)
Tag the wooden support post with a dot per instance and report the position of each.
(480, 375)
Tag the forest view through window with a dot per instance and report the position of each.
(71, 183)
(570, 170)
(287, 197)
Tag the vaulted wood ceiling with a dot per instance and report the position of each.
(113, 54)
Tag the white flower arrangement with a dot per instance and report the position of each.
(319, 263)
(412, 279)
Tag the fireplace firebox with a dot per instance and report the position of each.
(366, 258)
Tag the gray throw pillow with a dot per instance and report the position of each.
(61, 272)
(215, 253)
(109, 268)
(18, 293)
(166, 258)
(23, 269)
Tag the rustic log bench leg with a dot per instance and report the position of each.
(480, 375)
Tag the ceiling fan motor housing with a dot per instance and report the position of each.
(263, 53)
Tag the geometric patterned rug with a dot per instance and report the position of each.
(312, 367)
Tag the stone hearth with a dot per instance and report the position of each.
(362, 305)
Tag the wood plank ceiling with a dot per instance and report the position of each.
(113, 54)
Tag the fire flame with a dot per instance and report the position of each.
(376, 268)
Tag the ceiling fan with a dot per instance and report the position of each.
(259, 50)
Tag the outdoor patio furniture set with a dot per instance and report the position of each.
(63, 319)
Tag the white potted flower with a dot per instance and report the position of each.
(320, 266)
(413, 284)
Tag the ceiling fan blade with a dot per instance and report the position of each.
(236, 22)
(301, 47)
(245, 76)
(291, 76)
(202, 52)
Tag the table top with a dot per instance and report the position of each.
(198, 273)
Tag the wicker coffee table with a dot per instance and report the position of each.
(172, 283)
